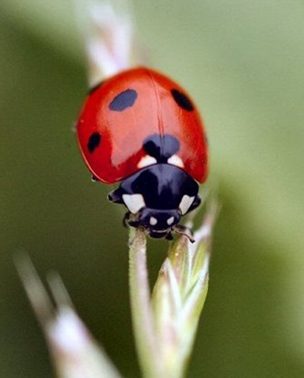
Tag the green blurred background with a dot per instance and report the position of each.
(243, 62)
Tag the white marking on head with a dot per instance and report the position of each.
(145, 161)
(185, 204)
(170, 221)
(153, 221)
(176, 160)
(134, 202)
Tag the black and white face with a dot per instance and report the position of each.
(156, 198)
(158, 223)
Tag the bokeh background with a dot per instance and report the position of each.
(243, 62)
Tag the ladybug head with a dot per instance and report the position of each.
(156, 198)
(158, 223)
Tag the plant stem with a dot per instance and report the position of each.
(143, 321)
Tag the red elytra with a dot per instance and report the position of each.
(111, 136)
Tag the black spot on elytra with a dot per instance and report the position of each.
(95, 87)
(123, 100)
(94, 141)
(182, 100)
(161, 147)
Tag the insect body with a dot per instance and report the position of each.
(141, 129)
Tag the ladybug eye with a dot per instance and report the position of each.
(94, 141)
(182, 100)
(123, 100)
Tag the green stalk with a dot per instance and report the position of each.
(142, 316)
(165, 323)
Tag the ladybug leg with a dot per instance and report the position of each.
(125, 219)
(130, 219)
(133, 220)
(169, 236)
(183, 230)
(116, 195)
(94, 178)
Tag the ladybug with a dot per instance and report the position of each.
(140, 129)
